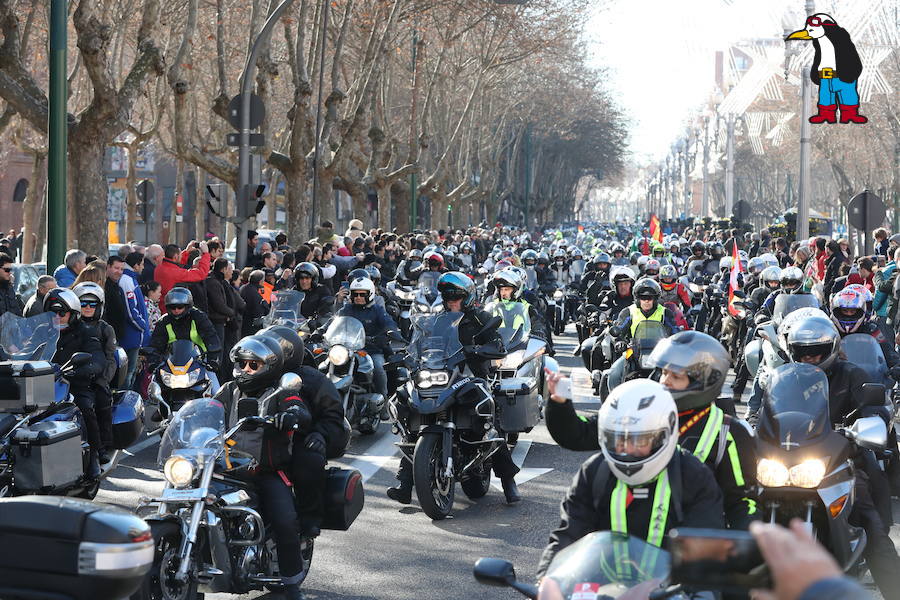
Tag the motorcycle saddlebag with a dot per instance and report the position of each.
(26, 386)
(71, 549)
(127, 418)
(344, 498)
(47, 454)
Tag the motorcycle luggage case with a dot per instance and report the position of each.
(517, 404)
(127, 419)
(54, 547)
(344, 498)
(47, 454)
(26, 385)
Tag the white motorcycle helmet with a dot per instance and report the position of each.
(363, 284)
(638, 430)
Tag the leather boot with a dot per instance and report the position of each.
(93, 468)
(510, 490)
(402, 492)
(827, 114)
(849, 114)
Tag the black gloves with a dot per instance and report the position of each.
(895, 372)
(296, 417)
(620, 346)
(315, 442)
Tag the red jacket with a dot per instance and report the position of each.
(857, 278)
(820, 265)
(169, 273)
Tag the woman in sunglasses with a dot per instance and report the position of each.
(77, 336)
(92, 297)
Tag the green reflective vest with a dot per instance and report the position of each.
(660, 514)
(637, 316)
(195, 335)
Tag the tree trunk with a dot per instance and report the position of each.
(359, 196)
(131, 194)
(297, 202)
(89, 191)
(384, 206)
(32, 242)
(400, 200)
(325, 199)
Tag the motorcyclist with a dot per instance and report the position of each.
(791, 282)
(458, 295)
(410, 267)
(693, 367)
(183, 321)
(769, 281)
(258, 364)
(434, 261)
(641, 483)
(560, 268)
(507, 285)
(318, 301)
(77, 336)
(646, 307)
(651, 268)
(698, 253)
(597, 272)
(621, 296)
(91, 296)
(815, 340)
(672, 290)
(849, 315)
(378, 325)
(390, 304)
(618, 255)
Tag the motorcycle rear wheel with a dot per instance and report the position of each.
(159, 583)
(434, 490)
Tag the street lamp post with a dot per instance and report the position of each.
(729, 164)
(58, 136)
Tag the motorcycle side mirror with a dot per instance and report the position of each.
(290, 382)
(872, 394)
(495, 572)
(79, 359)
(869, 432)
(492, 323)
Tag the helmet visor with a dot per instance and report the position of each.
(633, 446)
(799, 352)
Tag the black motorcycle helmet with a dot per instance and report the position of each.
(307, 269)
(374, 274)
(602, 262)
(529, 258)
(291, 345)
(699, 356)
(179, 296)
(454, 285)
(716, 250)
(62, 300)
(265, 359)
(698, 248)
(647, 288)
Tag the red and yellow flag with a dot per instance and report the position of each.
(655, 229)
(733, 280)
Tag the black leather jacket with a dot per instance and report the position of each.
(81, 337)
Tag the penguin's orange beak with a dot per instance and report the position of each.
(799, 35)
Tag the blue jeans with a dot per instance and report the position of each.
(379, 377)
(132, 354)
(834, 88)
(755, 402)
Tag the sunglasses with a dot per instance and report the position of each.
(177, 307)
(304, 276)
(646, 297)
(359, 294)
(817, 22)
(90, 303)
(7, 269)
(253, 365)
(59, 312)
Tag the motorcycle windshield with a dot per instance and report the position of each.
(182, 352)
(285, 308)
(531, 280)
(785, 304)
(428, 283)
(347, 332)
(648, 333)
(33, 338)
(864, 352)
(516, 326)
(605, 565)
(576, 269)
(435, 339)
(197, 429)
(795, 407)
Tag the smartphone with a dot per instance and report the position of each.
(717, 559)
(882, 261)
(345, 285)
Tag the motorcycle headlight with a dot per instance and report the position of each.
(557, 295)
(178, 382)
(427, 379)
(179, 471)
(808, 474)
(771, 473)
(338, 355)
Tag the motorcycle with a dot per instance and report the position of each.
(805, 467)
(285, 311)
(351, 370)
(448, 412)
(428, 298)
(43, 448)
(518, 383)
(636, 358)
(183, 375)
(404, 296)
(208, 533)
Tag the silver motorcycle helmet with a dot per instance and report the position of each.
(258, 363)
(814, 340)
(699, 356)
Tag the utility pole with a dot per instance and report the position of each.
(803, 204)
(729, 164)
(58, 136)
(242, 208)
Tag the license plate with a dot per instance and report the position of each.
(176, 495)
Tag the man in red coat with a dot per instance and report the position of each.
(170, 273)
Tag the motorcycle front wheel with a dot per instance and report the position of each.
(160, 582)
(434, 489)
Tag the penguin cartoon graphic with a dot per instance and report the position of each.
(835, 69)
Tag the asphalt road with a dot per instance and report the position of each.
(397, 552)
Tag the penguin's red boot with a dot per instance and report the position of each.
(849, 114)
(827, 114)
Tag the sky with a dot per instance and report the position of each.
(660, 57)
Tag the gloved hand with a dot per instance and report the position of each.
(296, 417)
(895, 372)
(620, 347)
(315, 442)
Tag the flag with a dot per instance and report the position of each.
(655, 229)
(733, 280)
